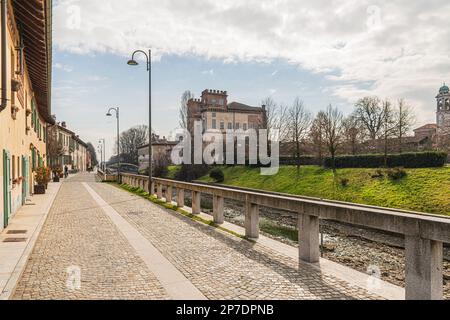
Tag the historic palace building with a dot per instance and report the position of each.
(215, 112)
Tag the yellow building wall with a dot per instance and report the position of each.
(17, 134)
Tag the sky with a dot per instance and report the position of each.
(323, 51)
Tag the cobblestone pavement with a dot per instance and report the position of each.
(79, 236)
(220, 265)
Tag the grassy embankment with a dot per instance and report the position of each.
(424, 190)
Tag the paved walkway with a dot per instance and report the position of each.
(102, 232)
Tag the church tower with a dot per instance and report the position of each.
(443, 111)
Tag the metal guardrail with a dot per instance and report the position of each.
(424, 233)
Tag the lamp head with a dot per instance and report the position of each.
(109, 114)
(132, 62)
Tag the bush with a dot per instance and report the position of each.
(189, 172)
(304, 160)
(217, 175)
(406, 160)
(344, 182)
(396, 173)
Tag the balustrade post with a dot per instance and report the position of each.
(251, 220)
(169, 194)
(218, 209)
(159, 187)
(308, 238)
(180, 198)
(196, 202)
(423, 269)
(152, 187)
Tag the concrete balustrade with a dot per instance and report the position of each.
(424, 233)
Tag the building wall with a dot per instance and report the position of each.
(234, 119)
(22, 129)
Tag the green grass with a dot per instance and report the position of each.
(171, 171)
(424, 190)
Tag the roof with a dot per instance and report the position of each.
(160, 143)
(236, 106)
(444, 89)
(35, 20)
(60, 127)
(429, 126)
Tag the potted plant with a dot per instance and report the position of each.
(42, 177)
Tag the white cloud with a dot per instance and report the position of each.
(208, 72)
(399, 48)
(63, 67)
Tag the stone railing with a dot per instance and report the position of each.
(106, 177)
(424, 233)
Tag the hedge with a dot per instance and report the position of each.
(406, 160)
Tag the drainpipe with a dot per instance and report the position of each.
(4, 44)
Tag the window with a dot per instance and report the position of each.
(244, 126)
(213, 114)
(237, 126)
(222, 125)
(13, 162)
(213, 101)
(221, 102)
(214, 126)
(230, 126)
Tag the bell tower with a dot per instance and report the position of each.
(443, 110)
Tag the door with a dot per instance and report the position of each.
(24, 179)
(6, 187)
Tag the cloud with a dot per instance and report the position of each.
(392, 49)
(63, 67)
(208, 72)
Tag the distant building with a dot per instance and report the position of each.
(161, 150)
(75, 154)
(215, 112)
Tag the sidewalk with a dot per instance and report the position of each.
(28, 221)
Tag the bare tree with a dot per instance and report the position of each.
(185, 97)
(404, 118)
(273, 118)
(297, 121)
(369, 112)
(317, 135)
(130, 141)
(388, 127)
(332, 126)
(352, 132)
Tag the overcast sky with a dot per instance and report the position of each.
(322, 51)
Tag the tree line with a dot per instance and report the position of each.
(372, 121)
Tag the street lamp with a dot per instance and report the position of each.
(100, 150)
(103, 154)
(109, 114)
(133, 62)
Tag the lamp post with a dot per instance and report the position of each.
(103, 154)
(133, 62)
(100, 149)
(109, 114)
